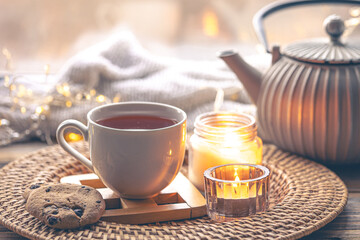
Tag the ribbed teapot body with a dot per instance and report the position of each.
(312, 109)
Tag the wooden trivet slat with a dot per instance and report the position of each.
(180, 200)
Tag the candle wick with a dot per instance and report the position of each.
(219, 99)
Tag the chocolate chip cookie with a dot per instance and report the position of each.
(64, 205)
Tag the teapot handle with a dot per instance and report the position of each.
(275, 6)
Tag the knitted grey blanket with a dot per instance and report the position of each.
(119, 68)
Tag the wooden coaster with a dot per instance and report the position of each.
(180, 200)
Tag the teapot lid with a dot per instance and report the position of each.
(323, 50)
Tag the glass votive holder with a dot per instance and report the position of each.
(233, 191)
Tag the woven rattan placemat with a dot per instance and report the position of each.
(305, 196)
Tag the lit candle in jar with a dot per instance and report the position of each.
(236, 190)
(222, 138)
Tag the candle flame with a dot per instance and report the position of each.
(237, 179)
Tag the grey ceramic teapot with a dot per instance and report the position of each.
(308, 102)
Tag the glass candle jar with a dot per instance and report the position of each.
(233, 191)
(221, 138)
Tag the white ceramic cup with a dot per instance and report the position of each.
(134, 163)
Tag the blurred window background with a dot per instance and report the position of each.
(39, 32)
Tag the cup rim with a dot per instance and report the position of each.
(266, 173)
(184, 116)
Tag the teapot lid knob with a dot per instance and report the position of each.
(334, 26)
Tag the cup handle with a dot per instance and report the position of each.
(62, 142)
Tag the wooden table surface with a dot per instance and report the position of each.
(345, 226)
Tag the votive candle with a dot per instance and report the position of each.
(236, 190)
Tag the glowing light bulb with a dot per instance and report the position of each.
(59, 89)
(355, 12)
(39, 110)
(100, 98)
(73, 137)
(117, 98)
(6, 81)
(92, 92)
(66, 87)
(66, 90)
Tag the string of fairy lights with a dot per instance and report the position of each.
(24, 101)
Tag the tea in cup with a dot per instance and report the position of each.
(136, 148)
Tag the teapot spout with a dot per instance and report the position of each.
(249, 76)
